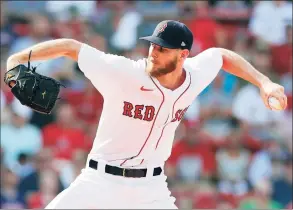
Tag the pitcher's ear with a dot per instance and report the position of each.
(184, 54)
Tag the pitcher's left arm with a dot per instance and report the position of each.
(238, 66)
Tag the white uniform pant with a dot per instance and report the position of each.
(95, 189)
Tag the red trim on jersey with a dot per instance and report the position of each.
(173, 109)
(160, 136)
(181, 95)
(151, 127)
(162, 132)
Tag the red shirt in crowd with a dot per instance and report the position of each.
(203, 149)
(64, 141)
(88, 107)
(204, 30)
(282, 58)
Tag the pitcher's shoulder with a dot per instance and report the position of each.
(207, 59)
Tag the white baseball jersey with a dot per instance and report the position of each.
(139, 117)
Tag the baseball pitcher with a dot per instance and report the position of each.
(144, 102)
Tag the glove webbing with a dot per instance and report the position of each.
(36, 85)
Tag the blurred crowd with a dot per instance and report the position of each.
(230, 151)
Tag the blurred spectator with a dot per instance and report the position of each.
(5, 112)
(24, 166)
(232, 162)
(225, 85)
(47, 192)
(249, 107)
(205, 197)
(283, 128)
(43, 164)
(125, 31)
(25, 7)
(75, 27)
(262, 59)
(231, 10)
(157, 10)
(181, 130)
(193, 112)
(216, 107)
(88, 105)
(139, 52)
(153, 12)
(63, 10)
(271, 28)
(3, 101)
(221, 205)
(242, 45)
(11, 198)
(64, 135)
(282, 65)
(222, 38)
(40, 120)
(192, 157)
(2, 166)
(6, 98)
(98, 41)
(5, 89)
(105, 19)
(7, 34)
(277, 153)
(70, 171)
(203, 27)
(186, 9)
(19, 136)
(101, 13)
(282, 187)
(38, 31)
(260, 167)
(286, 81)
(200, 195)
(260, 198)
(202, 9)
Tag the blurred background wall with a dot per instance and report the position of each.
(229, 151)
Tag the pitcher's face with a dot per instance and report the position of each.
(161, 60)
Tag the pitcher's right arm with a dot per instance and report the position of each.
(46, 50)
(106, 71)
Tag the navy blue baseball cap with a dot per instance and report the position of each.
(171, 34)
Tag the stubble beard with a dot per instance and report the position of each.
(157, 72)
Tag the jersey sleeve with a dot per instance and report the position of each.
(204, 67)
(105, 71)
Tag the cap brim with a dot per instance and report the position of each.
(158, 41)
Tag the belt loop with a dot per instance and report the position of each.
(123, 173)
(157, 171)
(93, 164)
(150, 171)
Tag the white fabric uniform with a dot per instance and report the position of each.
(136, 129)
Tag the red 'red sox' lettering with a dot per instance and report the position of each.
(149, 113)
(179, 114)
(127, 109)
(141, 112)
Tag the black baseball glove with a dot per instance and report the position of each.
(33, 90)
